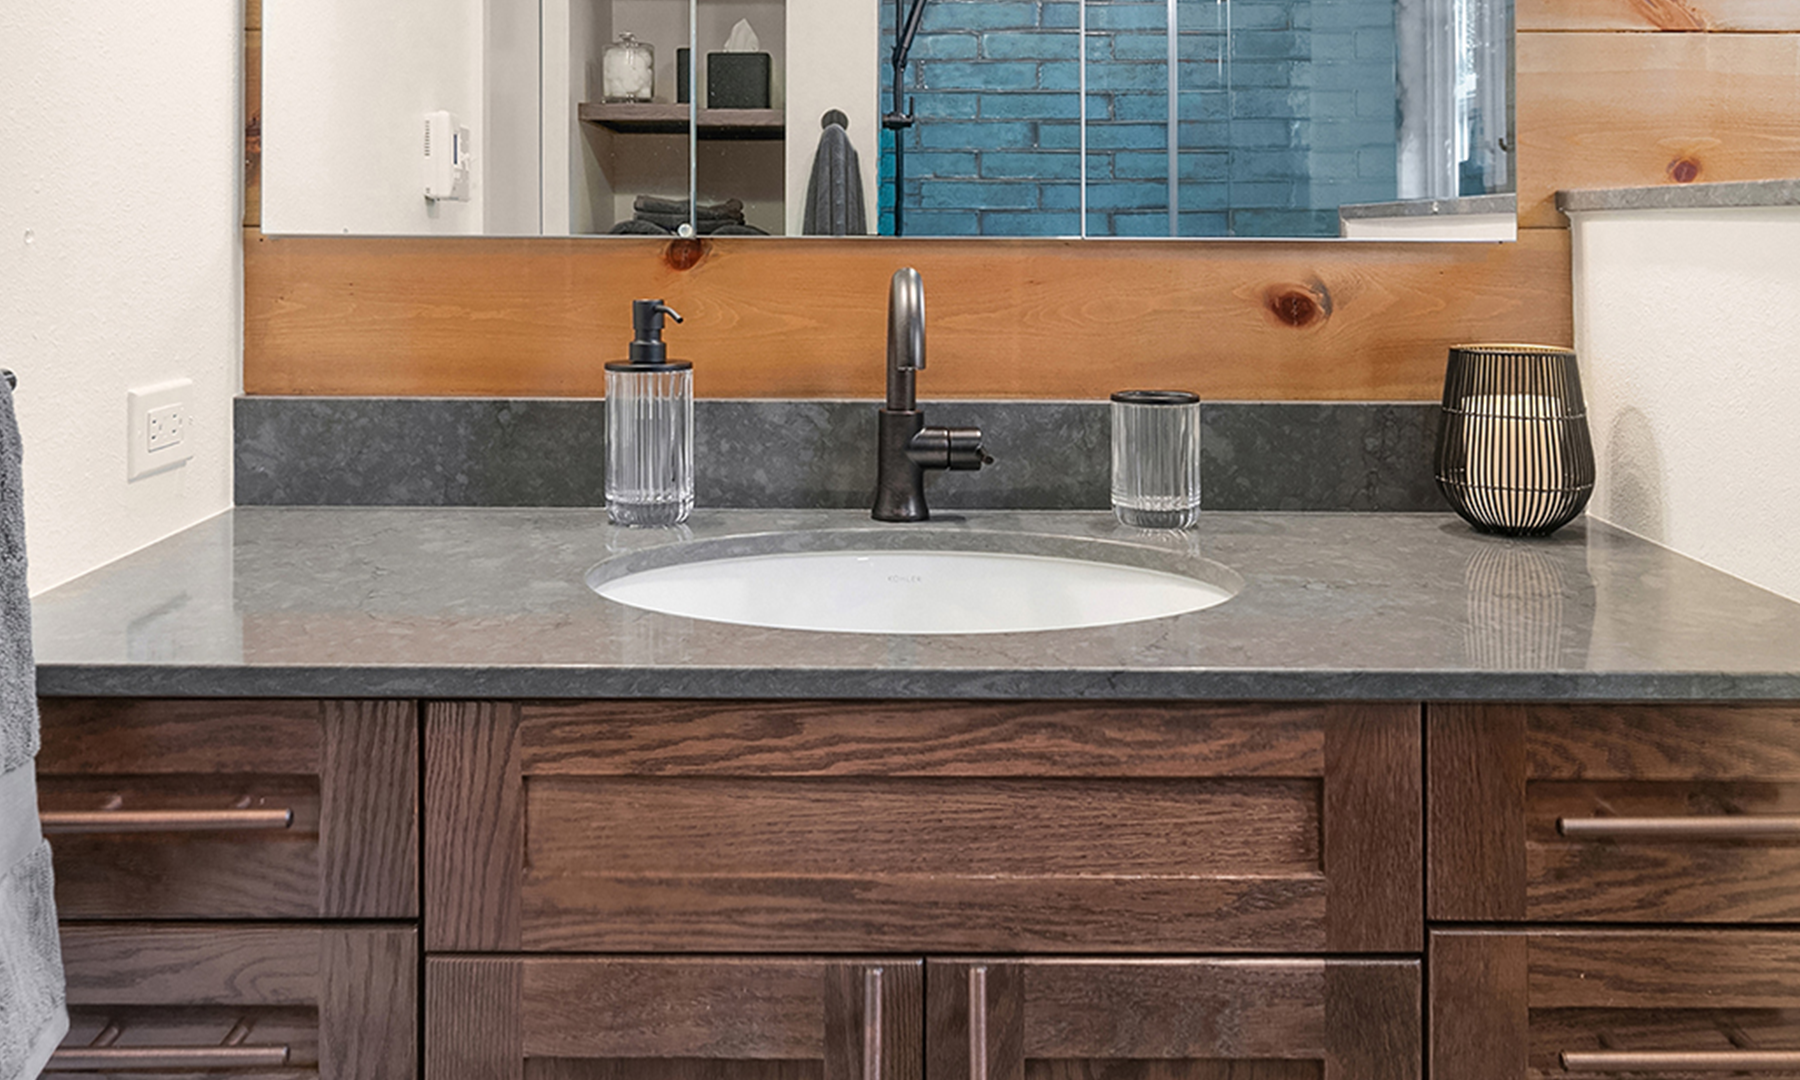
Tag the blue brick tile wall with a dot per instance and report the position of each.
(1285, 110)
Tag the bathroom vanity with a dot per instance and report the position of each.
(1414, 802)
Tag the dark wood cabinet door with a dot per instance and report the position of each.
(673, 1018)
(231, 809)
(1614, 813)
(915, 827)
(1676, 1004)
(1193, 1019)
(224, 1001)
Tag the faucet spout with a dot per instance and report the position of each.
(905, 447)
(905, 338)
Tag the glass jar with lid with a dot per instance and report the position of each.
(628, 69)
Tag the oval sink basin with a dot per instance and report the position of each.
(914, 582)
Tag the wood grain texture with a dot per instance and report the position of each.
(129, 736)
(368, 1002)
(474, 826)
(1664, 969)
(924, 738)
(1658, 15)
(1374, 1020)
(1649, 879)
(874, 1020)
(1475, 811)
(1150, 1069)
(918, 913)
(187, 964)
(540, 1068)
(474, 1023)
(939, 827)
(1663, 742)
(975, 1020)
(1480, 1014)
(369, 811)
(806, 318)
(1600, 110)
(1374, 829)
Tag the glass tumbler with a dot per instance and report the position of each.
(1156, 458)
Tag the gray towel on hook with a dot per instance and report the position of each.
(834, 194)
(33, 1017)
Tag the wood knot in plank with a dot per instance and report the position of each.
(1671, 15)
(684, 254)
(1299, 306)
(1684, 170)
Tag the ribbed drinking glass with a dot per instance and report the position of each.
(1156, 458)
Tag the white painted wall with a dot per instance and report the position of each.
(834, 62)
(344, 100)
(1687, 323)
(120, 259)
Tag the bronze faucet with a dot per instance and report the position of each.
(905, 447)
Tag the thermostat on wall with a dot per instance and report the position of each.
(446, 157)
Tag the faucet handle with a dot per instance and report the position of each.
(906, 321)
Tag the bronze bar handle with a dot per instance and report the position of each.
(135, 821)
(1718, 827)
(978, 1019)
(871, 1043)
(1681, 1061)
(157, 1058)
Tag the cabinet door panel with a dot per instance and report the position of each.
(231, 809)
(238, 1000)
(789, 827)
(1679, 1004)
(1615, 813)
(686, 1018)
(1206, 1018)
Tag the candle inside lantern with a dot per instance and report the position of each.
(1515, 456)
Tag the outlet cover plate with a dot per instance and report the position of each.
(172, 403)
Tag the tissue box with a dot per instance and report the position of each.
(737, 80)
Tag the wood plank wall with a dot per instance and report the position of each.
(1610, 93)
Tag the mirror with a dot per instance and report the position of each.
(1054, 118)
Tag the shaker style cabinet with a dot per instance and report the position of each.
(1657, 842)
(237, 882)
(1136, 890)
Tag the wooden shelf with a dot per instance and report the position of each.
(634, 118)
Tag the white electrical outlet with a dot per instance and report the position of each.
(158, 436)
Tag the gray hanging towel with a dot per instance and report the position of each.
(33, 1017)
(834, 194)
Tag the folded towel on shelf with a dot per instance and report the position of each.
(653, 216)
(834, 193)
(33, 1016)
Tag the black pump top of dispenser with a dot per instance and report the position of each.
(648, 352)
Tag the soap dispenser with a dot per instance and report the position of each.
(649, 427)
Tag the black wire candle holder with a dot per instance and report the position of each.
(1513, 453)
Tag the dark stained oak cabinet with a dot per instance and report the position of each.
(773, 890)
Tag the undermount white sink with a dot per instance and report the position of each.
(914, 582)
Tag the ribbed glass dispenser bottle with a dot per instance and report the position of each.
(649, 427)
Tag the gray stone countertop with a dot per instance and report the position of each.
(491, 603)
(1713, 196)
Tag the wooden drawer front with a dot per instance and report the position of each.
(231, 809)
(691, 1018)
(1584, 1005)
(1615, 813)
(793, 827)
(228, 1000)
(1210, 1019)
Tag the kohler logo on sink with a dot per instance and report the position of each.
(906, 579)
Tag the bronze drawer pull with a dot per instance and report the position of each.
(105, 1058)
(130, 821)
(1681, 1061)
(1719, 827)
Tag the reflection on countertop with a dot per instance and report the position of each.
(492, 603)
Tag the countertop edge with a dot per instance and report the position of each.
(140, 680)
(1712, 196)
